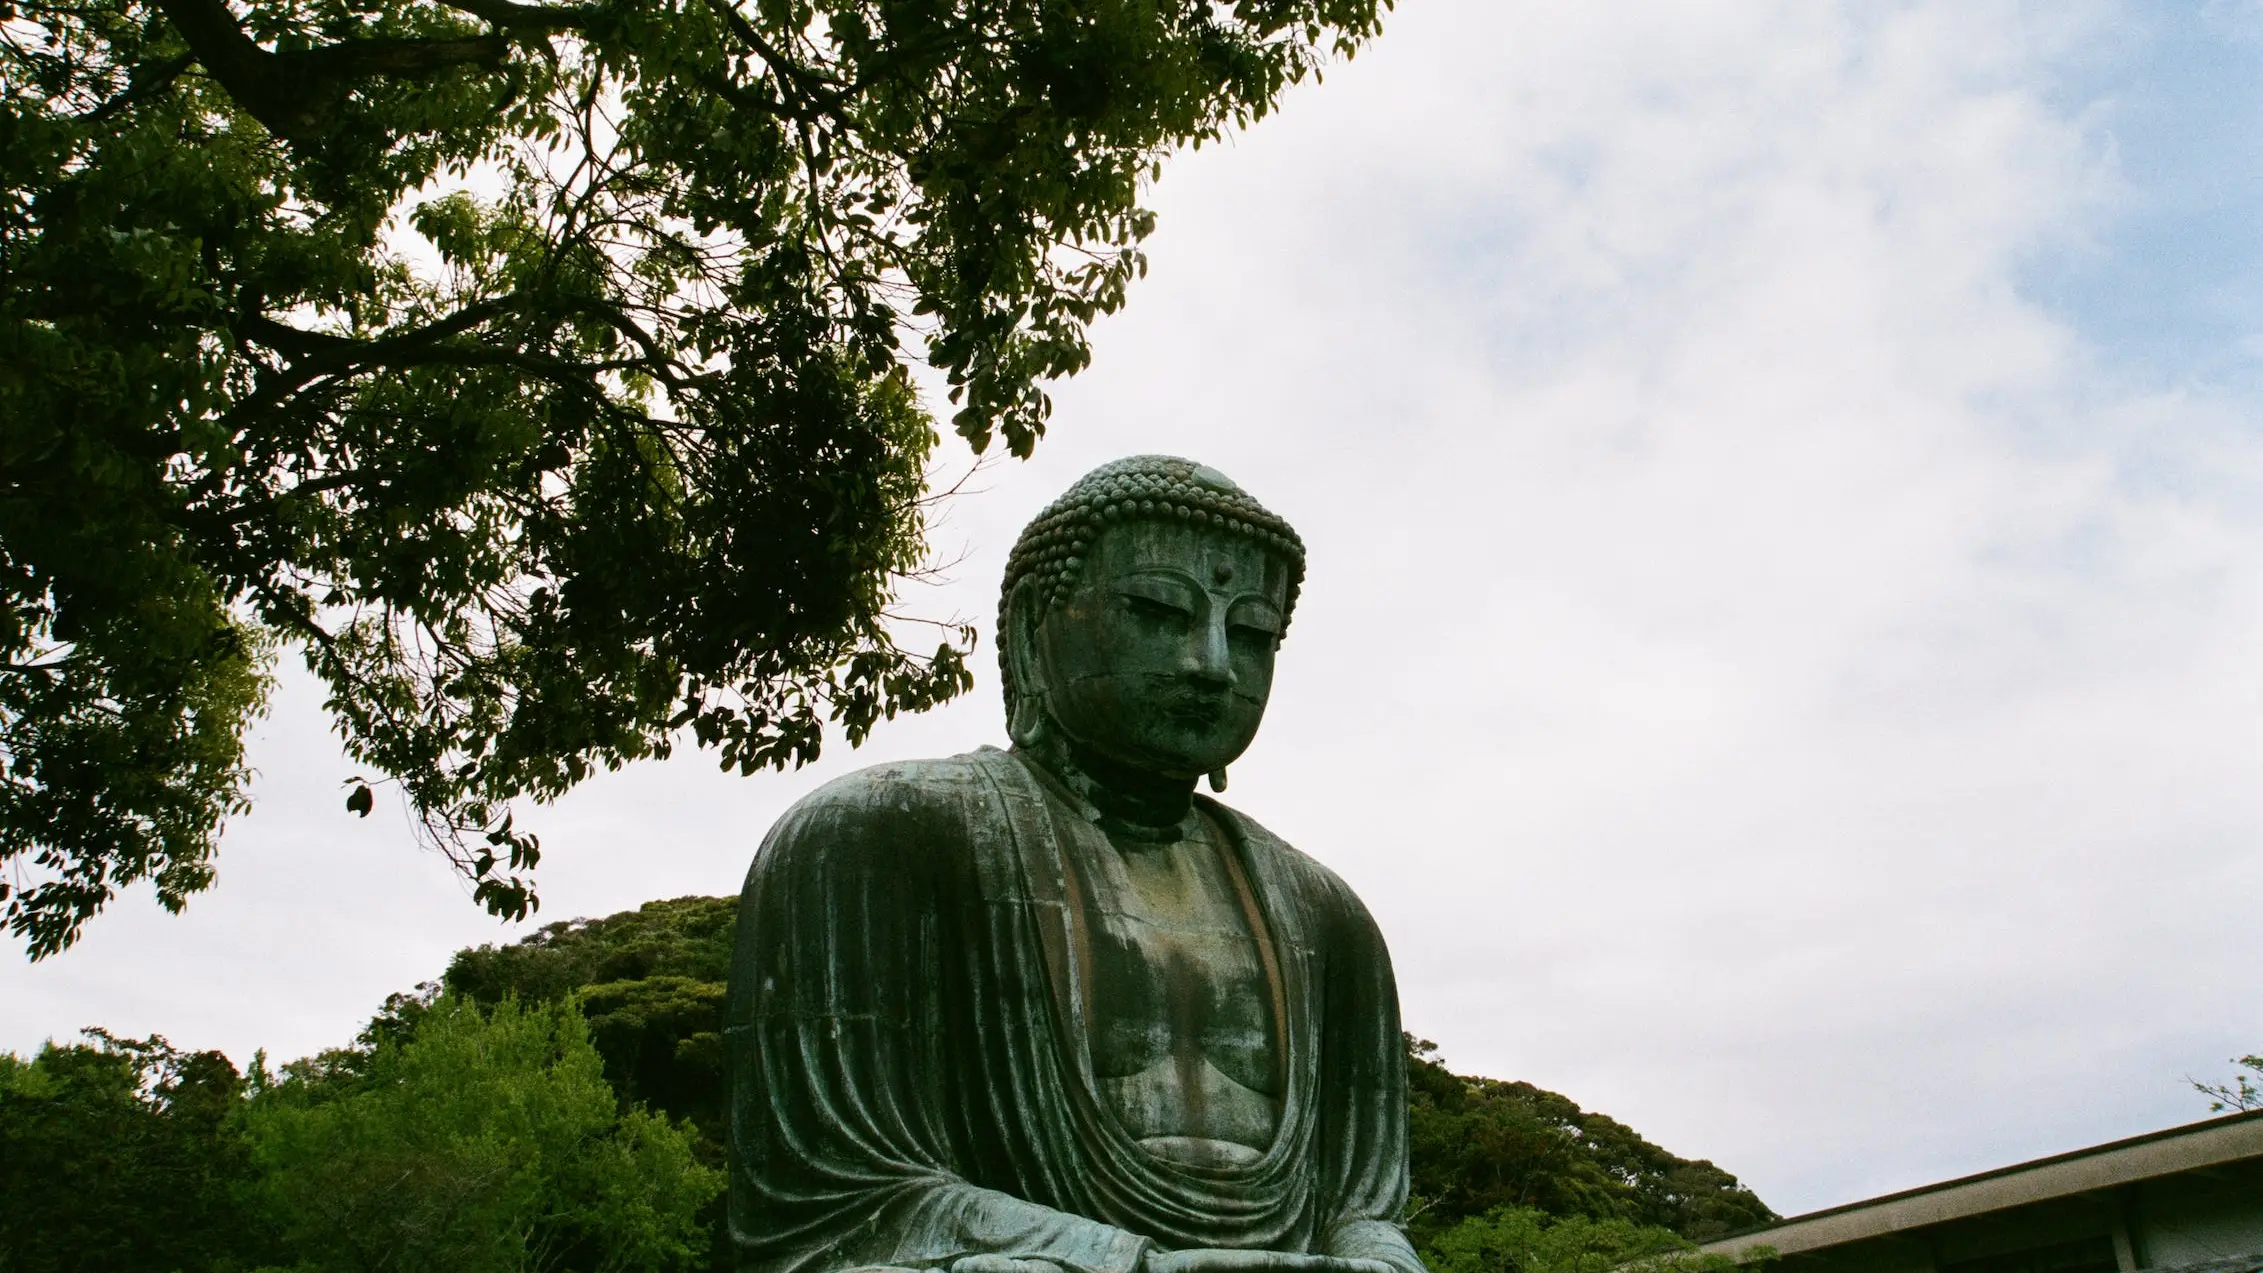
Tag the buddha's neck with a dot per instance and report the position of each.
(1117, 791)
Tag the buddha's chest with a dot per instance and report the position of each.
(1181, 1008)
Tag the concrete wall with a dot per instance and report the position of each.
(2200, 1215)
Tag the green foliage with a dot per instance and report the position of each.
(650, 980)
(541, 372)
(652, 983)
(121, 755)
(483, 1142)
(1484, 1147)
(1524, 1240)
(662, 1040)
(2241, 1094)
(682, 937)
(446, 1138)
(120, 1154)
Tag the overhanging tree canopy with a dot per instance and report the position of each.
(539, 370)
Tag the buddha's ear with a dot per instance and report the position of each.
(1028, 714)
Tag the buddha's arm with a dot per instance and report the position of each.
(947, 1221)
(1363, 1086)
(851, 1013)
(1242, 1261)
(1204, 1260)
(1376, 1243)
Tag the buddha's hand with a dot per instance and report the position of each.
(987, 1263)
(1222, 1260)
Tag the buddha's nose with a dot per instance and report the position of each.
(1208, 660)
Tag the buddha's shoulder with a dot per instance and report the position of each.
(904, 785)
(900, 806)
(1289, 868)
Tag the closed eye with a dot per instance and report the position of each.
(1150, 608)
(1253, 635)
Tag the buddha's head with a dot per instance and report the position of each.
(1140, 615)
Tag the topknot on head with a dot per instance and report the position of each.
(1138, 487)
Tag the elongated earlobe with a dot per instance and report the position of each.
(1218, 779)
(1027, 720)
(1026, 724)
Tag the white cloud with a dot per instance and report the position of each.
(1771, 685)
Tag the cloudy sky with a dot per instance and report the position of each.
(1783, 653)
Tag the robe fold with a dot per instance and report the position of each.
(912, 1080)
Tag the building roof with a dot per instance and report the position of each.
(2188, 1148)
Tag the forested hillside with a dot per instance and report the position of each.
(557, 1104)
(1480, 1145)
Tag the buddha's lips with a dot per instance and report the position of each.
(1196, 707)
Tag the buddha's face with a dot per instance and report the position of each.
(1161, 656)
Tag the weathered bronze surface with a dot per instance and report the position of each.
(1048, 1009)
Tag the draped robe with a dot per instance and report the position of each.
(911, 1076)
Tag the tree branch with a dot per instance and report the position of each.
(814, 86)
(322, 351)
(239, 64)
(316, 354)
(147, 78)
(358, 59)
(295, 94)
(528, 17)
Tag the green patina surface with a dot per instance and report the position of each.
(1048, 1008)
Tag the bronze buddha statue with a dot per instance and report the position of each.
(1048, 1008)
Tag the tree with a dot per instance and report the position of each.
(120, 1154)
(1484, 1146)
(2241, 1094)
(681, 937)
(651, 982)
(1525, 1240)
(484, 1141)
(541, 372)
